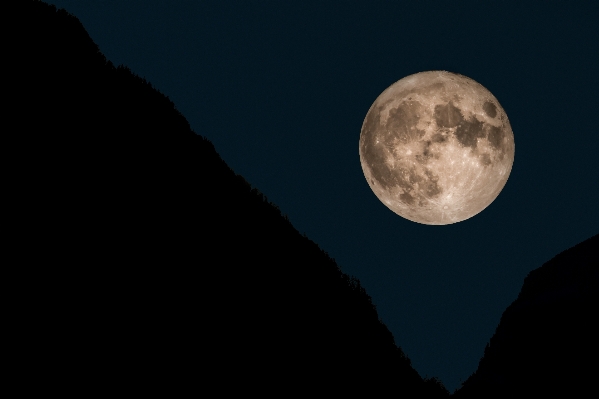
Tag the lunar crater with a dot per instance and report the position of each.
(436, 147)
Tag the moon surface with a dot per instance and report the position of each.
(436, 147)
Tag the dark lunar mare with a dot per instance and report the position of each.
(485, 159)
(468, 131)
(495, 137)
(399, 127)
(402, 121)
(448, 115)
(490, 109)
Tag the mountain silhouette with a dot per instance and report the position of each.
(546, 342)
(161, 270)
(154, 268)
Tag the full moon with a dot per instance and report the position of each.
(436, 147)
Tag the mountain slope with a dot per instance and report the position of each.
(546, 342)
(161, 270)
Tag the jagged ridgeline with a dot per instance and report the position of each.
(546, 342)
(169, 273)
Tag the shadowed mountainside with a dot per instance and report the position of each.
(156, 268)
(546, 342)
(161, 269)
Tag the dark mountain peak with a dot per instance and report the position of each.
(176, 274)
(568, 272)
(545, 343)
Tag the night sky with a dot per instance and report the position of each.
(282, 91)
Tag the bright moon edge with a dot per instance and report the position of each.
(436, 148)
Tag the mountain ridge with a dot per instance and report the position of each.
(169, 263)
(168, 259)
(554, 307)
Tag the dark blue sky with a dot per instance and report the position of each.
(282, 91)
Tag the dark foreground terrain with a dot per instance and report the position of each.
(546, 342)
(157, 269)
(174, 272)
